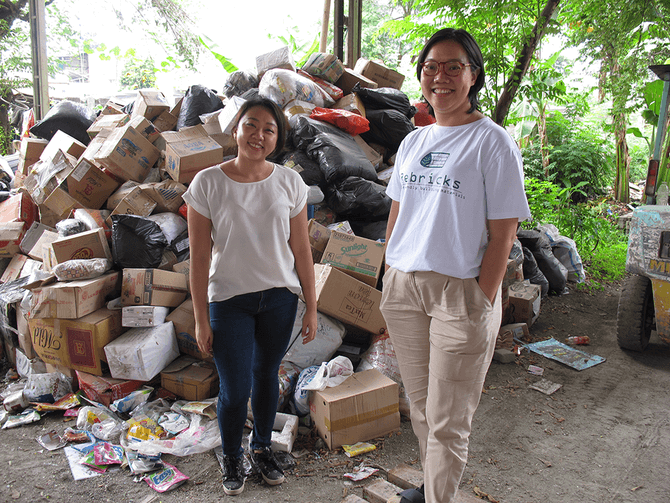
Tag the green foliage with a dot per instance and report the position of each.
(138, 74)
(209, 44)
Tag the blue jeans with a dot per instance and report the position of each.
(251, 335)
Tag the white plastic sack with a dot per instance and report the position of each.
(25, 367)
(82, 268)
(171, 224)
(301, 395)
(43, 387)
(201, 436)
(331, 374)
(282, 86)
(565, 250)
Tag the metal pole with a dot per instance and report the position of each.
(38, 43)
(662, 120)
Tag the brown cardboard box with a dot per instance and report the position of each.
(65, 143)
(107, 121)
(35, 240)
(105, 389)
(127, 154)
(373, 156)
(145, 127)
(318, 239)
(352, 103)
(191, 379)
(348, 300)
(17, 214)
(88, 184)
(524, 302)
(166, 121)
(30, 152)
(363, 407)
(152, 287)
(25, 339)
(167, 195)
(187, 133)
(45, 176)
(112, 108)
(135, 203)
(185, 269)
(358, 257)
(349, 78)
(77, 344)
(325, 66)
(184, 159)
(126, 188)
(279, 58)
(382, 75)
(73, 299)
(85, 245)
(13, 270)
(508, 333)
(150, 103)
(184, 326)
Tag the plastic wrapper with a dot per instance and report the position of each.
(206, 408)
(171, 224)
(70, 226)
(94, 219)
(25, 367)
(131, 401)
(282, 86)
(78, 436)
(239, 82)
(358, 448)
(385, 98)
(198, 100)
(565, 250)
(47, 387)
(137, 242)
(139, 463)
(82, 268)
(532, 272)
(516, 253)
(359, 199)
(173, 422)
(51, 441)
(337, 153)
(330, 89)
(28, 416)
(301, 395)
(108, 454)
(330, 374)
(165, 479)
(550, 266)
(387, 128)
(347, 121)
(89, 461)
(201, 436)
(67, 116)
(69, 401)
(288, 376)
(142, 427)
(100, 422)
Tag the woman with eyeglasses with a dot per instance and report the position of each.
(458, 196)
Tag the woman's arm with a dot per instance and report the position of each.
(393, 216)
(501, 238)
(200, 241)
(304, 266)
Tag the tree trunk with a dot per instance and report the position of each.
(621, 187)
(544, 140)
(521, 67)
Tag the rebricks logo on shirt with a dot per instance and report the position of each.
(435, 160)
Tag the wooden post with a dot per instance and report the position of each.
(38, 42)
(324, 26)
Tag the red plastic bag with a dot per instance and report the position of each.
(348, 121)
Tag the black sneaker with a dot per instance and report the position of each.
(265, 460)
(233, 475)
(414, 495)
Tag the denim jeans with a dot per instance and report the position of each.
(251, 335)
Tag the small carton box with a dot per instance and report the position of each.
(107, 121)
(524, 302)
(13, 270)
(279, 58)
(141, 353)
(358, 257)
(184, 326)
(167, 195)
(85, 245)
(325, 66)
(382, 75)
(77, 344)
(135, 203)
(145, 127)
(17, 214)
(363, 407)
(184, 159)
(191, 379)
(373, 156)
(36, 239)
(23, 329)
(29, 153)
(165, 122)
(65, 143)
(127, 154)
(184, 268)
(117, 196)
(153, 287)
(45, 176)
(73, 299)
(348, 300)
(150, 103)
(143, 316)
(187, 133)
(104, 389)
(318, 239)
(89, 184)
(508, 333)
(349, 79)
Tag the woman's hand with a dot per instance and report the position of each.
(204, 336)
(309, 326)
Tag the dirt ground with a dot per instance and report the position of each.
(604, 436)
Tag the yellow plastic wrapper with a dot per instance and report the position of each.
(358, 448)
(69, 401)
(144, 428)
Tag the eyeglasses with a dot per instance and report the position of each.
(450, 68)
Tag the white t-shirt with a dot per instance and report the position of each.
(448, 181)
(250, 229)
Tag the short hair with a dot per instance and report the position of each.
(274, 109)
(471, 48)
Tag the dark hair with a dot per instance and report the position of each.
(274, 109)
(473, 51)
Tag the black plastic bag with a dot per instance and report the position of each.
(238, 83)
(370, 230)
(337, 153)
(357, 198)
(539, 245)
(532, 272)
(385, 98)
(308, 169)
(67, 116)
(180, 247)
(198, 101)
(388, 128)
(137, 242)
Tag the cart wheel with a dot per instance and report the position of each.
(635, 315)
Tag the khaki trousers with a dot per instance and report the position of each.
(443, 330)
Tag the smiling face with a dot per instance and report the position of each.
(256, 134)
(449, 95)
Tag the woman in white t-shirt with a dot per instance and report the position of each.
(250, 258)
(457, 196)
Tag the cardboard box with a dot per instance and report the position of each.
(373, 156)
(65, 143)
(191, 379)
(145, 127)
(184, 159)
(150, 103)
(135, 203)
(117, 196)
(524, 302)
(167, 195)
(508, 333)
(85, 245)
(358, 257)
(23, 329)
(349, 79)
(184, 326)
(13, 270)
(348, 300)
(127, 154)
(318, 239)
(88, 184)
(187, 133)
(228, 114)
(153, 287)
(225, 140)
(141, 353)
(325, 66)
(29, 153)
(279, 58)
(45, 176)
(382, 75)
(36, 239)
(363, 407)
(17, 214)
(77, 344)
(73, 299)
(143, 316)
(107, 121)
(185, 269)
(105, 389)
(166, 122)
